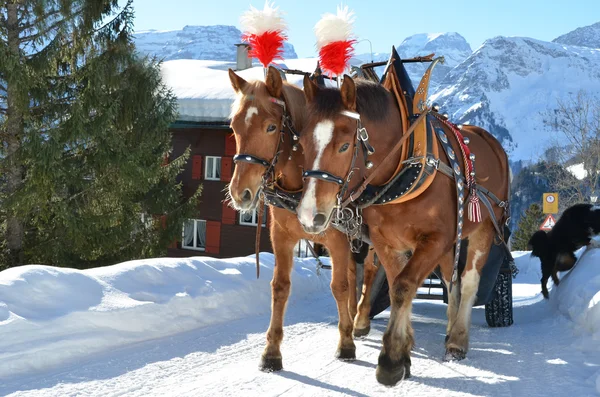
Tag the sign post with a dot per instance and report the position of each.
(550, 205)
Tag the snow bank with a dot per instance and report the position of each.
(578, 294)
(49, 315)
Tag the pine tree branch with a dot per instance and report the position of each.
(42, 17)
(123, 11)
(41, 33)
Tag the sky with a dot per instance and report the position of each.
(385, 22)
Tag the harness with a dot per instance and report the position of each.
(412, 174)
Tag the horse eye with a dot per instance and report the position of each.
(344, 147)
(271, 128)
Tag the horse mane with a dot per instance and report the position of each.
(296, 104)
(372, 101)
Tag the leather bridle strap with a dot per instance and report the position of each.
(323, 175)
(251, 159)
(358, 191)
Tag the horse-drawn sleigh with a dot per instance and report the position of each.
(369, 162)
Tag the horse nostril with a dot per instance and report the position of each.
(247, 195)
(319, 220)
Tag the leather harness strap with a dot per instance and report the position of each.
(261, 210)
(358, 191)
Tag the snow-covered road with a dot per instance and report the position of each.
(196, 327)
(527, 359)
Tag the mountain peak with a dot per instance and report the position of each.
(216, 42)
(586, 36)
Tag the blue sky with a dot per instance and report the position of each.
(386, 22)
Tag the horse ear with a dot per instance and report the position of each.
(310, 89)
(274, 82)
(348, 92)
(237, 82)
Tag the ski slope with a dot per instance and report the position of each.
(123, 347)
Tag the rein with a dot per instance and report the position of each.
(268, 176)
(358, 191)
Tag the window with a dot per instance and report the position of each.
(251, 218)
(212, 169)
(194, 235)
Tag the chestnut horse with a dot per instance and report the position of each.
(412, 237)
(260, 124)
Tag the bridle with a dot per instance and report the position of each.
(361, 140)
(268, 176)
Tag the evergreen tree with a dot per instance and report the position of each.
(528, 224)
(84, 128)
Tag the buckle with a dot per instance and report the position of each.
(363, 135)
(435, 163)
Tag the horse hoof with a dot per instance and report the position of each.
(270, 364)
(346, 353)
(389, 373)
(455, 354)
(358, 332)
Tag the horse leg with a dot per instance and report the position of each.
(352, 294)
(362, 322)
(394, 360)
(340, 259)
(283, 249)
(480, 242)
(447, 268)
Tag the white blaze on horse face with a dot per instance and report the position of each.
(308, 207)
(252, 110)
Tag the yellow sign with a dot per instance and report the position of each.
(550, 203)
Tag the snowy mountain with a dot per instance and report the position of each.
(452, 46)
(508, 83)
(587, 36)
(215, 43)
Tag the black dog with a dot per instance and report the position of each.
(556, 249)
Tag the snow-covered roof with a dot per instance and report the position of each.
(203, 89)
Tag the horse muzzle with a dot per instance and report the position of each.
(246, 201)
(314, 223)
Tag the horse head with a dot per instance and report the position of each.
(257, 119)
(335, 144)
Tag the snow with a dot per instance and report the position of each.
(577, 171)
(203, 89)
(195, 42)
(517, 80)
(578, 295)
(196, 326)
(49, 316)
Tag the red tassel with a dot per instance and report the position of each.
(474, 208)
(266, 47)
(335, 56)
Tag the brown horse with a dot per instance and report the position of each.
(411, 238)
(267, 160)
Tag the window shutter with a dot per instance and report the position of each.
(229, 215)
(213, 237)
(196, 166)
(226, 168)
(230, 148)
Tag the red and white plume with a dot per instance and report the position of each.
(335, 40)
(264, 30)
